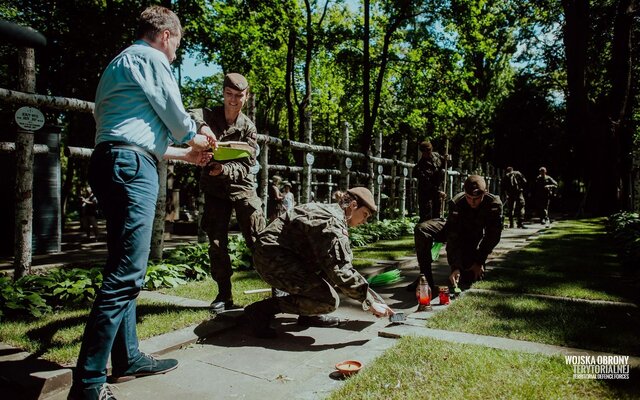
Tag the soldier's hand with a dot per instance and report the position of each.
(454, 277)
(199, 142)
(211, 137)
(381, 310)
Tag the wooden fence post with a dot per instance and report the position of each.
(403, 179)
(157, 238)
(345, 161)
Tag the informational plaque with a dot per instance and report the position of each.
(29, 118)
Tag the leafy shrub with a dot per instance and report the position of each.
(239, 253)
(165, 275)
(195, 256)
(73, 286)
(382, 230)
(625, 229)
(15, 300)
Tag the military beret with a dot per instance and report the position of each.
(364, 195)
(475, 185)
(235, 81)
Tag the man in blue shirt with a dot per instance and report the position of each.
(138, 112)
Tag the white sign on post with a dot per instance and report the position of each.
(29, 118)
(310, 159)
(348, 163)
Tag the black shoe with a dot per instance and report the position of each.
(223, 305)
(146, 365)
(259, 317)
(100, 392)
(321, 321)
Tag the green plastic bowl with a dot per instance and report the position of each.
(227, 153)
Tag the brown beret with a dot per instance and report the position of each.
(235, 81)
(475, 185)
(364, 195)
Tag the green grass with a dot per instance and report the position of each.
(573, 259)
(386, 249)
(207, 289)
(423, 368)
(56, 336)
(602, 327)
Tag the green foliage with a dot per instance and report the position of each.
(195, 256)
(164, 275)
(16, 300)
(74, 286)
(239, 253)
(625, 229)
(381, 230)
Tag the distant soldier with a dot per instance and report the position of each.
(229, 185)
(513, 186)
(274, 202)
(429, 171)
(306, 253)
(471, 231)
(545, 189)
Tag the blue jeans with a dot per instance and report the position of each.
(126, 185)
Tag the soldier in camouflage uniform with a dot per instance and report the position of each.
(471, 231)
(429, 171)
(513, 186)
(306, 253)
(545, 188)
(229, 185)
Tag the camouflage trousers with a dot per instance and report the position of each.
(309, 292)
(215, 222)
(515, 207)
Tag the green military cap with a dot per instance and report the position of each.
(235, 81)
(364, 195)
(475, 185)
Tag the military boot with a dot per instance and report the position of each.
(259, 316)
(224, 299)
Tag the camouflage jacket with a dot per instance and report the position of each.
(472, 233)
(430, 174)
(236, 180)
(316, 234)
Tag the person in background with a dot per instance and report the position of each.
(430, 174)
(274, 203)
(513, 185)
(138, 112)
(89, 213)
(306, 254)
(288, 201)
(229, 185)
(472, 230)
(545, 188)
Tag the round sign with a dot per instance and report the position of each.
(348, 163)
(310, 159)
(254, 169)
(257, 150)
(405, 171)
(29, 118)
(379, 179)
(380, 169)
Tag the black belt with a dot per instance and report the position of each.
(129, 146)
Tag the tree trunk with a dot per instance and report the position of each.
(289, 83)
(157, 238)
(575, 41)
(24, 174)
(367, 134)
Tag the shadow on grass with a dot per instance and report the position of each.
(45, 335)
(575, 259)
(596, 327)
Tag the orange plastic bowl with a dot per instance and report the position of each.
(349, 367)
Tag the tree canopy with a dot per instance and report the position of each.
(520, 83)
